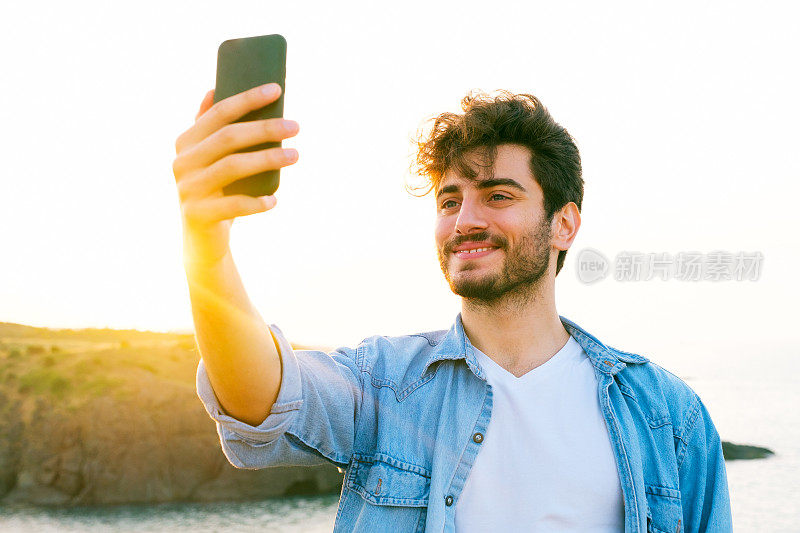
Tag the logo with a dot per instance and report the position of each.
(592, 266)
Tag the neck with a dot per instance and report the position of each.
(520, 331)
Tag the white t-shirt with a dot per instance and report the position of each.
(546, 461)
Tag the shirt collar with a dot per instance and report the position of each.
(454, 345)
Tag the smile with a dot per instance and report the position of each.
(473, 254)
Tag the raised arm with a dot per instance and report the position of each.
(238, 351)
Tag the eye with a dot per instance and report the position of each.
(444, 204)
(500, 195)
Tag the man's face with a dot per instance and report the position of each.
(503, 212)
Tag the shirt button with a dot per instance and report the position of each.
(448, 501)
(478, 437)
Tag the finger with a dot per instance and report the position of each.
(206, 104)
(235, 167)
(212, 210)
(227, 110)
(235, 137)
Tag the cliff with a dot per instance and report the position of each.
(104, 417)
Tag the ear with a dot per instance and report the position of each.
(566, 222)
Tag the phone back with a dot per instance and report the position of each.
(241, 65)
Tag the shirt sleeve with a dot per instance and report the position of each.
(703, 478)
(312, 420)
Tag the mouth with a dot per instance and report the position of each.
(474, 254)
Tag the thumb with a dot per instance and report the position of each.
(208, 101)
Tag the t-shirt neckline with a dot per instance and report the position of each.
(491, 367)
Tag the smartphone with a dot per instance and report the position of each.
(241, 65)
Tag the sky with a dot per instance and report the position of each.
(685, 115)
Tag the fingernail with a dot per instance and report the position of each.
(290, 153)
(291, 126)
(270, 89)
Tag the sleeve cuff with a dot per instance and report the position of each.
(286, 406)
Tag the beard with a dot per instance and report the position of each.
(523, 267)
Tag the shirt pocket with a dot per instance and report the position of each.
(664, 510)
(394, 494)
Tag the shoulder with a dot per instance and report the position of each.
(397, 359)
(662, 396)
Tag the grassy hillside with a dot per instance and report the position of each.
(73, 366)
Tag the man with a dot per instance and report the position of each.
(516, 419)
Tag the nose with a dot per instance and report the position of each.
(471, 217)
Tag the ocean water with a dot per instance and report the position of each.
(287, 515)
(751, 390)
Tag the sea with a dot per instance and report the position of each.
(752, 391)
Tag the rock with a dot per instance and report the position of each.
(742, 451)
(10, 443)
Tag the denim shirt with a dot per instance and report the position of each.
(404, 417)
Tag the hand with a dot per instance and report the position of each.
(206, 162)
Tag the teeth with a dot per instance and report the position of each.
(474, 251)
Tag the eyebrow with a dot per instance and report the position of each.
(483, 184)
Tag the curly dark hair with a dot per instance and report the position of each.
(507, 118)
